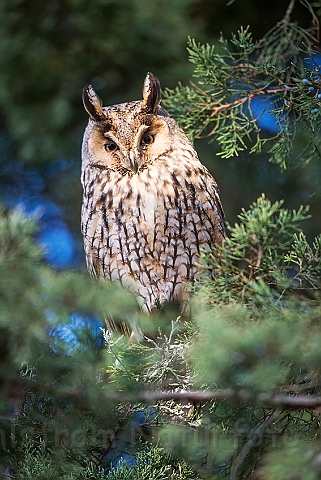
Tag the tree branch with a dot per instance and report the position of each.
(288, 12)
(240, 396)
(254, 437)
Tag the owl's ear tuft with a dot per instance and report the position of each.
(92, 103)
(151, 93)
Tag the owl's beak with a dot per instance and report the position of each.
(133, 161)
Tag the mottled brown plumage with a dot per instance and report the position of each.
(149, 205)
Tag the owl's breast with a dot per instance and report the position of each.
(143, 202)
(147, 231)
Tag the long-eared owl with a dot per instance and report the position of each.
(149, 205)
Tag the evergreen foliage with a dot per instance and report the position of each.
(252, 93)
(253, 345)
(235, 392)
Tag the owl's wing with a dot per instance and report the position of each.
(212, 194)
(208, 204)
(93, 265)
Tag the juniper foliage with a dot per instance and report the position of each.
(256, 94)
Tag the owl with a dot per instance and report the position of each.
(149, 205)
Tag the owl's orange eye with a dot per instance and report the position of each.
(110, 147)
(147, 139)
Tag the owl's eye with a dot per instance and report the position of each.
(147, 139)
(110, 146)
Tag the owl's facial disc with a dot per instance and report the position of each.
(132, 146)
(128, 143)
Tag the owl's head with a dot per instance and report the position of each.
(129, 136)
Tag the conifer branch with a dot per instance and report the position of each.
(255, 436)
(240, 396)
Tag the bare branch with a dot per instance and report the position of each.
(288, 12)
(254, 437)
(240, 396)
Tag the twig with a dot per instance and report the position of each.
(254, 437)
(216, 110)
(288, 12)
